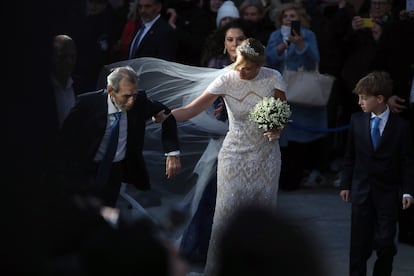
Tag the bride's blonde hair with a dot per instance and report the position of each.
(250, 50)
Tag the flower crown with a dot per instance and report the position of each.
(247, 49)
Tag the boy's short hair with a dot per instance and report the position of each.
(375, 84)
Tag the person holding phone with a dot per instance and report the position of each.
(295, 27)
(361, 45)
(293, 46)
(379, 12)
(293, 34)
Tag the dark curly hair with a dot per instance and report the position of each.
(213, 46)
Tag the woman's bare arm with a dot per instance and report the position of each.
(194, 108)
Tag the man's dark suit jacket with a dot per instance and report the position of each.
(85, 126)
(389, 168)
(159, 42)
(395, 55)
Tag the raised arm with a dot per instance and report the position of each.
(194, 108)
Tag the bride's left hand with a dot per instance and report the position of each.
(160, 117)
(273, 134)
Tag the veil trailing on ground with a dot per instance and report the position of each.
(174, 85)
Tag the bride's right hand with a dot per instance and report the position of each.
(273, 134)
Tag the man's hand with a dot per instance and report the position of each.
(357, 23)
(160, 117)
(396, 104)
(172, 166)
(407, 201)
(344, 195)
(376, 31)
(172, 13)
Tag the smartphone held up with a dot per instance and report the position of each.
(295, 27)
(367, 22)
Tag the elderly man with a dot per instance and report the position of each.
(116, 114)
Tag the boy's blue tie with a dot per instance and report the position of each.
(375, 133)
(106, 163)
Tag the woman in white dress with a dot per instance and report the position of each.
(249, 160)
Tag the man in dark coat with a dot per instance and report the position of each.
(86, 134)
(154, 37)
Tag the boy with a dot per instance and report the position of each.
(377, 172)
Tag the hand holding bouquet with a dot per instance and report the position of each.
(270, 114)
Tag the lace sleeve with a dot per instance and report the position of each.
(278, 81)
(218, 86)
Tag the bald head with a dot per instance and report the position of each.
(64, 57)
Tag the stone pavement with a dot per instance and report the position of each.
(328, 218)
(320, 210)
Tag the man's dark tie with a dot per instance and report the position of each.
(375, 133)
(106, 163)
(135, 41)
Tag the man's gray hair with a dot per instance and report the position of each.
(119, 73)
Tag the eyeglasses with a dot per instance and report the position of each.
(379, 3)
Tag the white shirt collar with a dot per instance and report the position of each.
(383, 116)
(111, 107)
(149, 24)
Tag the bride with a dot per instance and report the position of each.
(249, 161)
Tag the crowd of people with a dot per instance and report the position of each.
(244, 48)
(335, 42)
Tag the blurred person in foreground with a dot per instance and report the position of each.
(258, 241)
(377, 175)
(134, 248)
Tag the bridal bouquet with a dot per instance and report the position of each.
(270, 113)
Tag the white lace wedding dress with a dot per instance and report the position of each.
(248, 163)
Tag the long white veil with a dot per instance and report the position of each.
(174, 85)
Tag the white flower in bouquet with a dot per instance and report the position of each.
(270, 113)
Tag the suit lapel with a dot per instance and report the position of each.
(389, 129)
(149, 33)
(102, 111)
